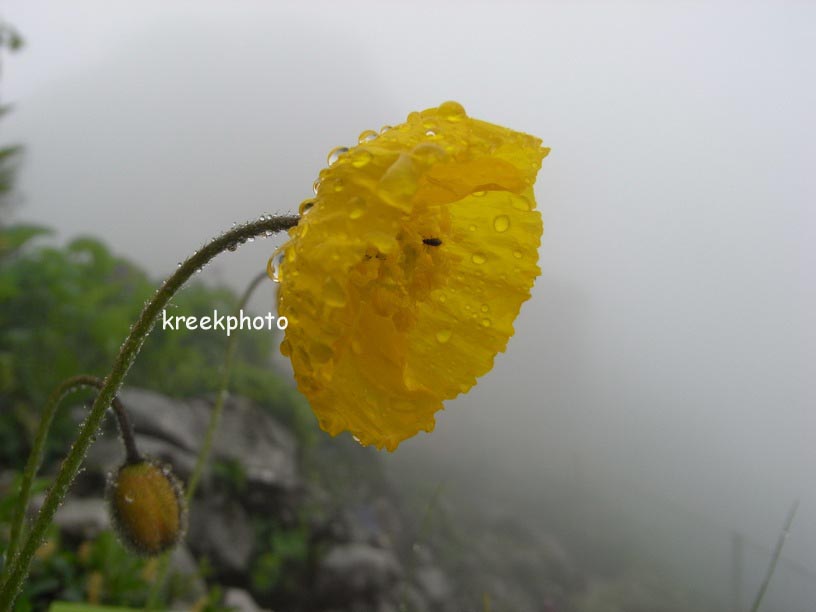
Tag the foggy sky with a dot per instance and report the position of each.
(670, 340)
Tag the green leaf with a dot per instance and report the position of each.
(15, 236)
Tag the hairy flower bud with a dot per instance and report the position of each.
(147, 507)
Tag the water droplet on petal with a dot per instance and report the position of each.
(273, 266)
(443, 336)
(366, 136)
(385, 128)
(517, 254)
(334, 294)
(430, 133)
(478, 194)
(472, 227)
(501, 223)
(485, 322)
(521, 204)
(358, 207)
(360, 157)
(452, 111)
(335, 154)
(485, 308)
(128, 498)
(305, 206)
(316, 186)
(478, 258)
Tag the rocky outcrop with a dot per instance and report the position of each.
(336, 540)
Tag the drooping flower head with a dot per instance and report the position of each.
(404, 275)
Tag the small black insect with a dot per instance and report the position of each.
(432, 241)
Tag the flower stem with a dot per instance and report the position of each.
(127, 354)
(35, 457)
(218, 407)
(783, 535)
(209, 437)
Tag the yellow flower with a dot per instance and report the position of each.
(404, 275)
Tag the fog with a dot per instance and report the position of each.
(663, 369)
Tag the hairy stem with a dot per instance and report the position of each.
(783, 535)
(209, 437)
(19, 567)
(38, 449)
(218, 407)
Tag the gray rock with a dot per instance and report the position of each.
(266, 449)
(165, 418)
(241, 601)
(221, 530)
(81, 518)
(185, 571)
(173, 430)
(356, 571)
(107, 455)
(434, 584)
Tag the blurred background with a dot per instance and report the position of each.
(651, 423)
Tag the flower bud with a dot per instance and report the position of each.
(147, 507)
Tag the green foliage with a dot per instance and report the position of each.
(100, 570)
(15, 237)
(10, 154)
(10, 37)
(66, 310)
(230, 476)
(282, 560)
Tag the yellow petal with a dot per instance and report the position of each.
(402, 281)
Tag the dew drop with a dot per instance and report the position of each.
(358, 207)
(521, 204)
(478, 194)
(305, 206)
(385, 128)
(335, 154)
(517, 254)
(501, 223)
(485, 322)
(360, 157)
(430, 133)
(251, 239)
(478, 258)
(334, 294)
(442, 336)
(273, 266)
(472, 227)
(366, 136)
(485, 308)
(452, 111)
(128, 499)
(316, 186)
(429, 153)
